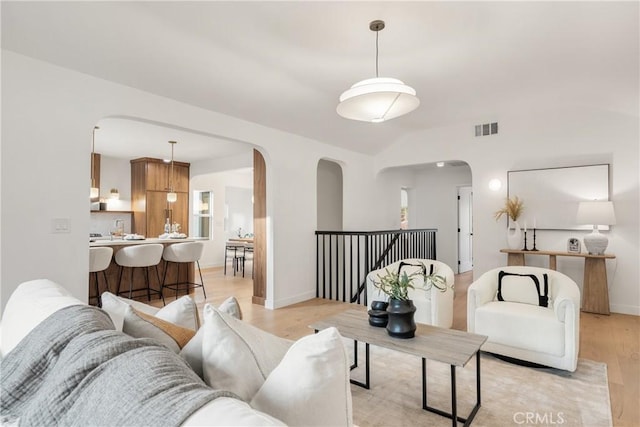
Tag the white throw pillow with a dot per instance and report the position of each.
(192, 352)
(182, 312)
(237, 356)
(523, 288)
(310, 386)
(231, 307)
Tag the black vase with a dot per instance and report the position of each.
(401, 323)
(378, 315)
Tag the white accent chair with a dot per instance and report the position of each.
(433, 307)
(547, 336)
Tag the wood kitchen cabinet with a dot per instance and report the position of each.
(149, 186)
(158, 210)
(159, 173)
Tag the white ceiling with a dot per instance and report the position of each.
(284, 64)
(131, 139)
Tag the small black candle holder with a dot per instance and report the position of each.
(534, 241)
(525, 241)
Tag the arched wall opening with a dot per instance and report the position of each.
(329, 187)
(432, 195)
(218, 165)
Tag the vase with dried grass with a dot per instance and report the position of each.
(513, 208)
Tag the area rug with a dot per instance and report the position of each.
(512, 395)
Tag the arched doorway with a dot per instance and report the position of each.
(329, 196)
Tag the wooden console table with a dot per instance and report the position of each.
(595, 292)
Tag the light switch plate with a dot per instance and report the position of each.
(60, 225)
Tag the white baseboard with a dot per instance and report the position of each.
(279, 303)
(634, 310)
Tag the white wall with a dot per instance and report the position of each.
(432, 202)
(329, 195)
(104, 222)
(436, 205)
(239, 211)
(45, 176)
(541, 139)
(217, 182)
(223, 164)
(114, 173)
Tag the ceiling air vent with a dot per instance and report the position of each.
(487, 129)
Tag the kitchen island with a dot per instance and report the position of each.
(113, 271)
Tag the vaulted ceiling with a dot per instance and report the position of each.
(284, 64)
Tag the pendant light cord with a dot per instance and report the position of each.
(377, 32)
(172, 166)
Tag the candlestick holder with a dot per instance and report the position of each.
(525, 241)
(534, 241)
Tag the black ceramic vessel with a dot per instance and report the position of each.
(378, 318)
(379, 305)
(401, 322)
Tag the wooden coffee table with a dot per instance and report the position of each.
(455, 348)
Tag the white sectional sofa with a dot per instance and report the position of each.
(260, 372)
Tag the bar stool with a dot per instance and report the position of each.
(145, 256)
(99, 260)
(182, 254)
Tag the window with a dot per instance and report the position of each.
(404, 209)
(203, 214)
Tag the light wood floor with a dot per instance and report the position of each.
(614, 339)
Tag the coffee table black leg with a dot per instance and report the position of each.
(355, 355)
(478, 399)
(424, 383)
(454, 398)
(365, 384)
(454, 401)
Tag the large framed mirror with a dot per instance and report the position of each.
(551, 196)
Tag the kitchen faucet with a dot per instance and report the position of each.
(119, 227)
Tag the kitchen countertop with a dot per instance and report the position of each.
(122, 242)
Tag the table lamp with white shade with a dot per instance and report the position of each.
(599, 212)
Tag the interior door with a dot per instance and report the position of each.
(465, 229)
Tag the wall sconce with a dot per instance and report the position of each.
(495, 184)
(114, 194)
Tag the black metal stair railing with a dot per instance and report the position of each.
(344, 258)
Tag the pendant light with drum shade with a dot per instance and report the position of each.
(95, 191)
(171, 195)
(378, 99)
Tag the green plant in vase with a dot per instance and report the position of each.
(396, 285)
(401, 309)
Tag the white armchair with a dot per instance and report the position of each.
(433, 307)
(524, 330)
